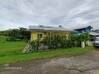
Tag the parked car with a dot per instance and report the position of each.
(96, 41)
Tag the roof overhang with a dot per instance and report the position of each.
(52, 29)
(94, 33)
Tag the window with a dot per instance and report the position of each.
(97, 38)
(40, 35)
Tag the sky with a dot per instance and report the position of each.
(68, 13)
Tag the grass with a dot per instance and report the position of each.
(10, 47)
(11, 52)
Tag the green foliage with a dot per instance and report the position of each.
(10, 47)
(59, 41)
(79, 38)
(17, 34)
(11, 52)
(84, 37)
(55, 41)
(15, 57)
(35, 45)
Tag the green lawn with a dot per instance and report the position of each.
(12, 52)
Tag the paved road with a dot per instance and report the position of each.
(84, 64)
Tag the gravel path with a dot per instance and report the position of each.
(84, 64)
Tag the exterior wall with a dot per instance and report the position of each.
(61, 34)
(34, 35)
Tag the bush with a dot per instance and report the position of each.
(11, 39)
(57, 41)
(35, 45)
(17, 34)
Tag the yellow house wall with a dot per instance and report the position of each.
(35, 34)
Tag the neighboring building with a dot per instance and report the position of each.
(43, 31)
(95, 37)
(84, 29)
(94, 34)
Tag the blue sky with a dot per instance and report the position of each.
(69, 13)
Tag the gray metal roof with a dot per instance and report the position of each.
(97, 31)
(48, 28)
(94, 33)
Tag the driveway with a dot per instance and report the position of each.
(83, 64)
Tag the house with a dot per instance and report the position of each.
(83, 29)
(94, 34)
(42, 31)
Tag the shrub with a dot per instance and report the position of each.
(18, 34)
(35, 45)
(11, 39)
(57, 41)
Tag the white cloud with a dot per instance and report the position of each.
(69, 13)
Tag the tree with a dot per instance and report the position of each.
(18, 34)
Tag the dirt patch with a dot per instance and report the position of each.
(84, 64)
